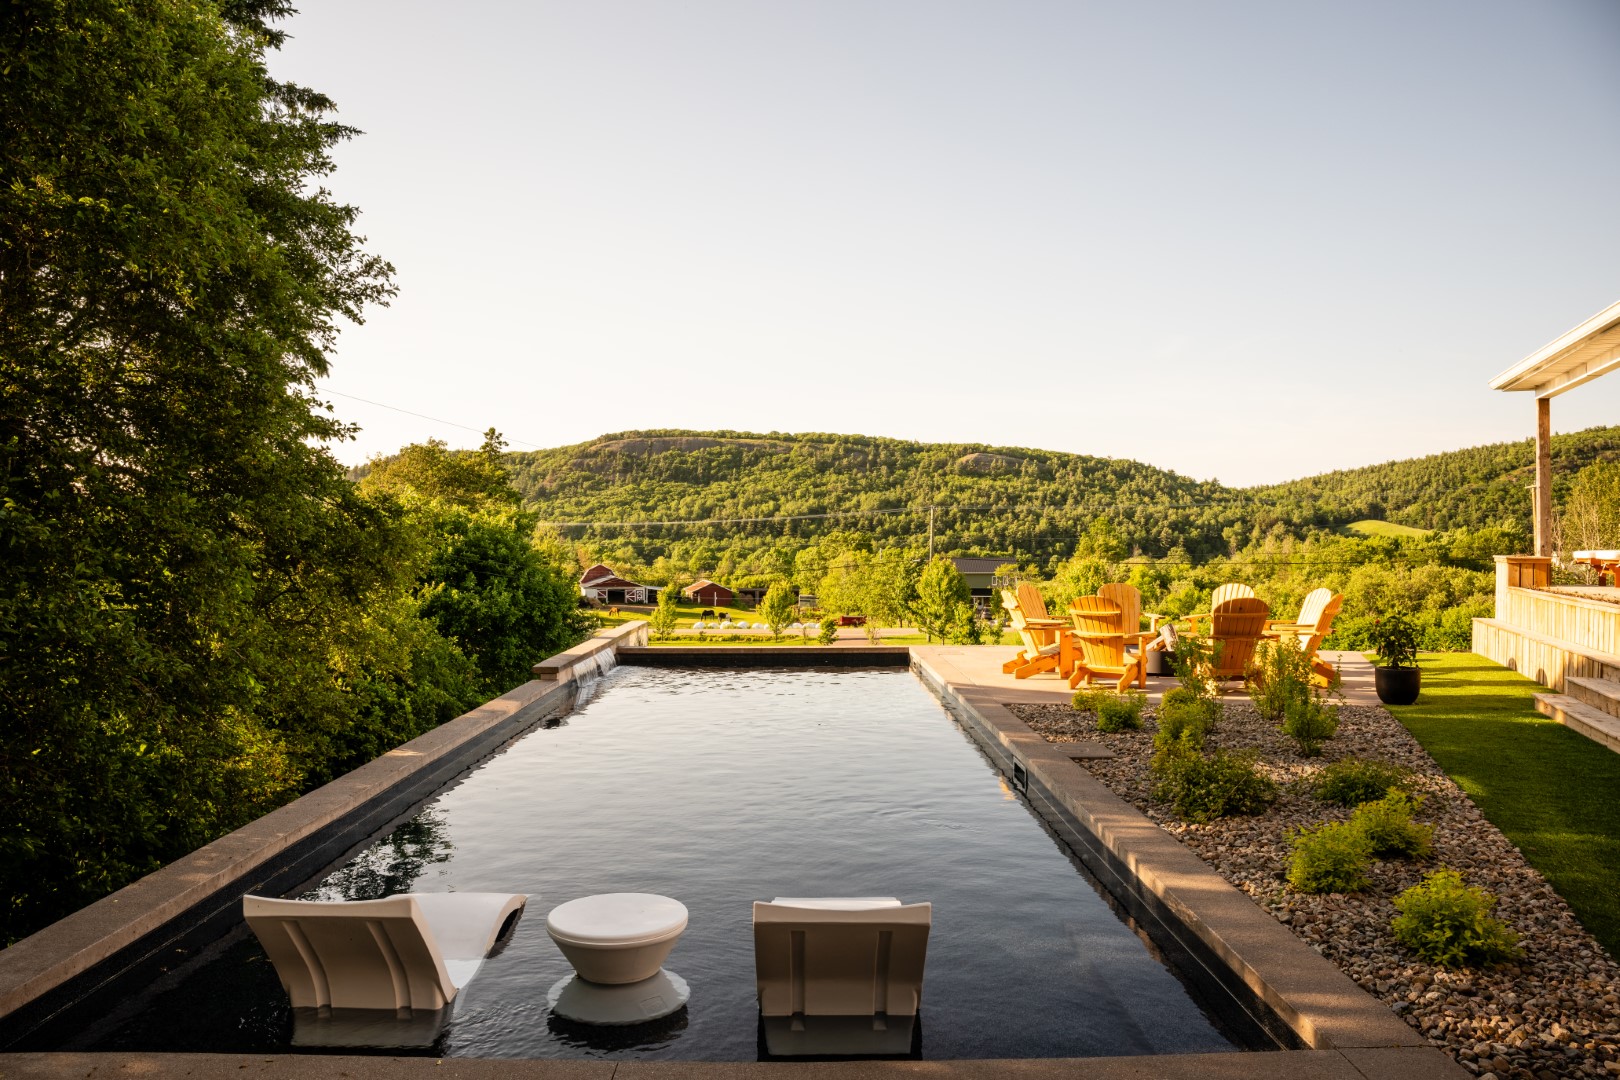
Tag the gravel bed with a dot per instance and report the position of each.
(1555, 1013)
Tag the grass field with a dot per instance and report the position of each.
(1554, 793)
(1371, 527)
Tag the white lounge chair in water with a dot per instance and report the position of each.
(413, 951)
(840, 975)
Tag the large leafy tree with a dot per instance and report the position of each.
(485, 584)
(181, 564)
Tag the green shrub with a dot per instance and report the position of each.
(1449, 923)
(1114, 712)
(1310, 722)
(1185, 720)
(1395, 638)
(1203, 788)
(1192, 660)
(1388, 826)
(1352, 781)
(1332, 857)
(1280, 677)
(829, 630)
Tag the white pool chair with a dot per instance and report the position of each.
(840, 975)
(413, 951)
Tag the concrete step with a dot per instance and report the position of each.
(1595, 724)
(1599, 693)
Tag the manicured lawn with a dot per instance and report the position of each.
(1556, 794)
(1371, 527)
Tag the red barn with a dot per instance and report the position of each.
(708, 593)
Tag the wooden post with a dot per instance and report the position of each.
(1543, 499)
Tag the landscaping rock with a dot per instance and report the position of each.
(1556, 1012)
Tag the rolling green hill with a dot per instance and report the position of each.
(653, 493)
(1479, 487)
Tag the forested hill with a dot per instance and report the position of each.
(1480, 487)
(991, 500)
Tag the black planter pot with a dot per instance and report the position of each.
(1158, 663)
(1398, 685)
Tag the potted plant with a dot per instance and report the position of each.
(1398, 678)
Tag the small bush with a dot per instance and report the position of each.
(1395, 638)
(1185, 719)
(1192, 660)
(829, 630)
(1280, 677)
(1310, 722)
(1353, 781)
(1114, 712)
(1203, 788)
(1329, 858)
(1449, 923)
(1388, 826)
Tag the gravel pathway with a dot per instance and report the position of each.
(1556, 1013)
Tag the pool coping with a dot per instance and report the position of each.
(1348, 1033)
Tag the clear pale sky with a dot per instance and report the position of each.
(1247, 240)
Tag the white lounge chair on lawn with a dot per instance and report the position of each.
(840, 975)
(407, 952)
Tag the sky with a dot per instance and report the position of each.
(1245, 240)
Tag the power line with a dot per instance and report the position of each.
(421, 416)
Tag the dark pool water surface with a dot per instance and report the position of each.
(720, 788)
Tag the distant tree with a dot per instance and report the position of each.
(666, 615)
(943, 606)
(777, 608)
(1590, 518)
(487, 588)
(465, 478)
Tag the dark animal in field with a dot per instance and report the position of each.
(706, 613)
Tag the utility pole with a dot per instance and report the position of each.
(930, 533)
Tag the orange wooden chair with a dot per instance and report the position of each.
(1235, 627)
(1230, 591)
(1046, 646)
(1101, 644)
(1315, 622)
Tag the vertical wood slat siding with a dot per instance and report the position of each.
(1547, 662)
(1588, 625)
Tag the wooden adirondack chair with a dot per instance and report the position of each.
(1235, 627)
(1129, 599)
(1031, 602)
(1315, 622)
(1230, 591)
(1101, 642)
(1046, 646)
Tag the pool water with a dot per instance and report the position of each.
(719, 788)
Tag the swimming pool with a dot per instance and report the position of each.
(720, 788)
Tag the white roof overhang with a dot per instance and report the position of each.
(1586, 352)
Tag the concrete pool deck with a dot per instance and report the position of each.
(1349, 1033)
